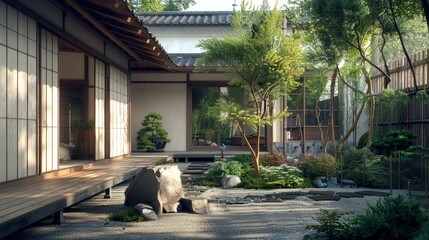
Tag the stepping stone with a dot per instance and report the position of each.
(324, 198)
(287, 197)
(267, 200)
(348, 194)
(244, 201)
(373, 193)
(315, 192)
(286, 194)
(253, 196)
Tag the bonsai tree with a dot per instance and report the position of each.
(152, 136)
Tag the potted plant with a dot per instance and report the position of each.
(152, 136)
(82, 131)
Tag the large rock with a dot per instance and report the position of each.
(170, 187)
(159, 186)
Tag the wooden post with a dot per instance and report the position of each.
(108, 193)
(58, 217)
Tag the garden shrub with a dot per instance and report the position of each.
(353, 168)
(249, 181)
(423, 234)
(274, 159)
(220, 169)
(330, 225)
(284, 176)
(319, 165)
(389, 218)
(412, 166)
(388, 142)
(244, 159)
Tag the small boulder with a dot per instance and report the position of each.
(146, 211)
(195, 205)
(347, 183)
(319, 182)
(230, 181)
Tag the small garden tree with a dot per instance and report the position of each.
(263, 62)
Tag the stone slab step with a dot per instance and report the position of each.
(193, 171)
(198, 165)
(197, 168)
(324, 198)
(192, 175)
(316, 192)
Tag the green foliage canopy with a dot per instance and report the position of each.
(262, 61)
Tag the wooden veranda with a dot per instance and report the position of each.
(26, 201)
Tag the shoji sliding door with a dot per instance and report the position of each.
(18, 94)
(49, 138)
(119, 136)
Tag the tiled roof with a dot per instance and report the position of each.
(185, 59)
(186, 18)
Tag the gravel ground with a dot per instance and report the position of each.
(278, 220)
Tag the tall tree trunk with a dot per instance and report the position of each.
(371, 108)
(319, 125)
(425, 4)
(404, 49)
(331, 130)
(386, 66)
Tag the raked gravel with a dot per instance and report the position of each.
(277, 220)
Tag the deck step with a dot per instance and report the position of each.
(194, 171)
(198, 165)
(197, 168)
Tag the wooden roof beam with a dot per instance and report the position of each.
(102, 28)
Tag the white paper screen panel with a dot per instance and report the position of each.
(100, 78)
(18, 94)
(49, 105)
(119, 136)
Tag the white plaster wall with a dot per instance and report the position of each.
(348, 97)
(185, 38)
(167, 99)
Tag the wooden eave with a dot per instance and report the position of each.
(117, 22)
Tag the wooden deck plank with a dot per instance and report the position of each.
(44, 190)
(25, 202)
(28, 197)
(17, 186)
(59, 192)
(50, 185)
(49, 175)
